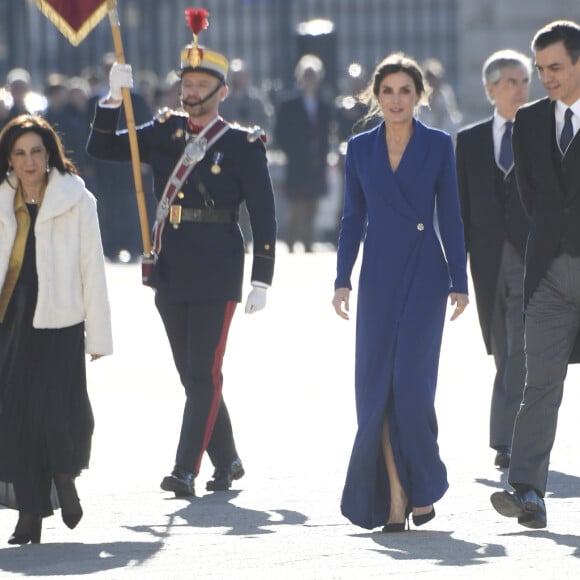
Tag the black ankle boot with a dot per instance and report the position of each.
(27, 529)
(71, 510)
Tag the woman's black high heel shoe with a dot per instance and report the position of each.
(27, 529)
(399, 527)
(71, 510)
(424, 518)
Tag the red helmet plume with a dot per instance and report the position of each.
(196, 19)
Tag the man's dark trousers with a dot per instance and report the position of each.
(197, 333)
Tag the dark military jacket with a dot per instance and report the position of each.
(201, 261)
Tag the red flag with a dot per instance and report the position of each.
(75, 18)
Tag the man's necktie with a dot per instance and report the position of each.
(567, 131)
(506, 155)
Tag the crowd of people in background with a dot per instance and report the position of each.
(305, 221)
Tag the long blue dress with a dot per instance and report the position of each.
(413, 257)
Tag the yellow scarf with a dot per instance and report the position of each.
(17, 254)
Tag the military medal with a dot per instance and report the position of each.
(217, 158)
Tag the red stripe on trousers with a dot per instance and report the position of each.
(216, 373)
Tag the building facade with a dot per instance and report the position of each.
(267, 33)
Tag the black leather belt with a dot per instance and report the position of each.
(179, 214)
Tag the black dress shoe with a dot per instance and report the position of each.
(525, 505)
(222, 478)
(502, 458)
(180, 482)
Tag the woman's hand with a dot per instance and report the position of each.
(460, 301)
(96, 357)
(341, 296)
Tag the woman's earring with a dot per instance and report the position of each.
(9, 169)
(47, 168)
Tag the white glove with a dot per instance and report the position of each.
(121, 75)
(256, 299)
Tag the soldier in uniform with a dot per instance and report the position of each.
(200, 254)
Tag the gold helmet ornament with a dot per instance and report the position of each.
(194, 57)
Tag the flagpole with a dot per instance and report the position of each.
(135, 160)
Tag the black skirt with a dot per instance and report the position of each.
(46, 420)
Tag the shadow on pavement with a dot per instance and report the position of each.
(214, 510)
(562, 485)
(439, 547)
(498, 485)
(568, 540)
(74, 559)
(210, 511)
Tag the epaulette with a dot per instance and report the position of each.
(163, 115)
(252, 133)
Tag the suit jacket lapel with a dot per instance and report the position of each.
(555, 154)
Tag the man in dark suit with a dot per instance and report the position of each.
(302, 131)
(496, 230)
(547, 160)
(199, 270)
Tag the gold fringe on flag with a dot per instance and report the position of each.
(75, 36)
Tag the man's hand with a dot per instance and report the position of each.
(256, 299)
(121, 75)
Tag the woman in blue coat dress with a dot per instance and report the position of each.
(400, 183)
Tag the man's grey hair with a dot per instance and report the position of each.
(507, 58)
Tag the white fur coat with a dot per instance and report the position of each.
(69, 259)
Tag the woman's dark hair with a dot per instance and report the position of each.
(33, 124)
(564, 31)
(394, 63)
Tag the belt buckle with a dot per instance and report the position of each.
(175, 215)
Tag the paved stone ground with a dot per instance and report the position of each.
(288, 383)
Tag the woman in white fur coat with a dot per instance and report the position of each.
(54, 308)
